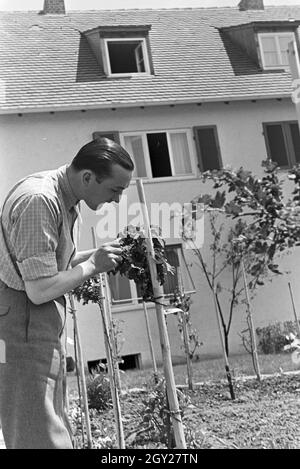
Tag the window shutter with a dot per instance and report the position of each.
(171, 283)
(295, 138)
(276, 144)
(112, 135)
(208, 148)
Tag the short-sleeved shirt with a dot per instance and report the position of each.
(38, 228)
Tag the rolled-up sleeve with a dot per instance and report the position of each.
(35, 237)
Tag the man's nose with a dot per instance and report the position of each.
(117, 198)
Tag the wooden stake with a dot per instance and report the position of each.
(150, 342)
(163, 333)
(252, 331)
(185, 335)
(111, 330)
(294, 310)
(81, 373)
(227, 368)
(110, 360)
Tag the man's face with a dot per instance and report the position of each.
(107, 190)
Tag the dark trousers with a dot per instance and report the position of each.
(32, 373)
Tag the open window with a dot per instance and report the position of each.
(274, 49)
(122, 50)
(126, 56)
(160, 154)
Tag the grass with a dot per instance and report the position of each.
(213, 369)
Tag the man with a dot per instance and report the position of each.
(39, 265)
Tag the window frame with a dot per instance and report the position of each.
(133, 300)
(143, 135)
(278, 50)
(142, 41)
(287, 141)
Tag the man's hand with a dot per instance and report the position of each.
(104, 259)
(107, 257)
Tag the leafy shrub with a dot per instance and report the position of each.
(133, 265)
(155, 423)
(271, 339)
(98, 390)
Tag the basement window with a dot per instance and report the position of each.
(126, 56)
(128, 362)
(274, 49)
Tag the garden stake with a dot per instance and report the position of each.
(227, 369)
(162, 327)
(185, 334)
(150, 343)
(294, 310)
(252, 331)
(79, 392)
(81, 373)
(111, 331)
(110, 359)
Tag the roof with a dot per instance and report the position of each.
(47, 63)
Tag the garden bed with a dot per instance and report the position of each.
(264, 415)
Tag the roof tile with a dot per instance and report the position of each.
(47, 62)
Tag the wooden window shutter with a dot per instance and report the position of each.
(112, 135)
(276, 144)
(171, 283)
(295, 141)
(208, 148)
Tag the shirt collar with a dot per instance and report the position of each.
(68, 194)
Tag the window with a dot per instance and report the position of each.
(129, 362)
(124, 291)
(273, 47)
(160, 154)
(126, 56)
(120, 288)
(208, 148)
(175, 257)
(283, 143)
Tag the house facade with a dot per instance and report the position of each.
(184, 90)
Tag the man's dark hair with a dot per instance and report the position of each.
(100, 155)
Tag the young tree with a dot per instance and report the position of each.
(263, 225)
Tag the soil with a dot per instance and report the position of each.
(263, 415)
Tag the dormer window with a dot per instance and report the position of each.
(126, 56)
(122, 51)
(273, 48)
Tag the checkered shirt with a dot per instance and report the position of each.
(38, 228)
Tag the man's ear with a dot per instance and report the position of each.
(86, 177)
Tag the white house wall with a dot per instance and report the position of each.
(41, 141)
